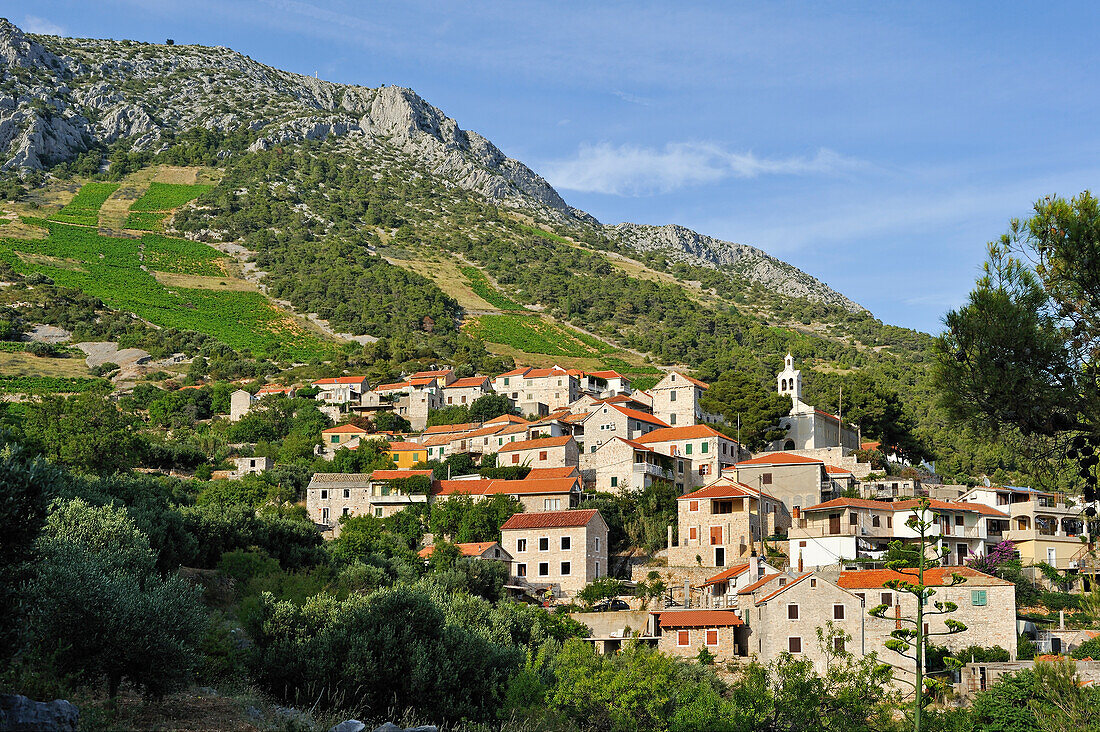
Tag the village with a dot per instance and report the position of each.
(767, 549)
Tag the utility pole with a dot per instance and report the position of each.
(738, 437)
(840, 419)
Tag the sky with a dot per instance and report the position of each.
(877, 146)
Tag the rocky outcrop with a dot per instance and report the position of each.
(20, 714)
(741, 260)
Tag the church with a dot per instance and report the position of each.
(809, 428)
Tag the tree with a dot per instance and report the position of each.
(737, 395)
(915, 639)
(390, 422)
(86, 431)
(604, 588)
(490, 406)
(97, 571)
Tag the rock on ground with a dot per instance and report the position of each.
(20, 714)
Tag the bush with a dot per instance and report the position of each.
(242, 565)
(1088, 649)
(1056, 601)
(1025, 648)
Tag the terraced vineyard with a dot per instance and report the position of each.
(181, 256)
(534, 335)
(168, 196)
(110, 268)
(146, 220)
(481, 286)
(84, 208)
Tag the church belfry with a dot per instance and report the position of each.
(789, 380)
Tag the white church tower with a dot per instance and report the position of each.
(789, 380)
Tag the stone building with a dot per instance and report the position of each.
(719, 524)
(545, 452)
(330, 496)
(795, 480)
(676, 401)
(556, 551)
(607, 421)
(709, 451)
(684, 633)
(536, 494)
(808, 427)
(240, 402)
(622, 466)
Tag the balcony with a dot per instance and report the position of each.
(655, 470)
(816, 530)
(1041, 507)
(1040, 535)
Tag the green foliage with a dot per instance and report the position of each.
(463, 520)
(145, 220)
(1025, 648)
(168, 196)
(482, 409)
(48, 384)
(1088, 649)
(637, 519)
(243, 565)
(479, 283)
(390, 422)
(604, 588)
(217, 529)
(166, 254)
(85, 431)
(738, 396)
(96, 571)
(84, 208)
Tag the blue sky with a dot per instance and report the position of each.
(878, 146)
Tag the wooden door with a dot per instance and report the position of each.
(834, 523)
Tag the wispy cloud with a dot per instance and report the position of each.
(34, 24)
(630, 170)
(633, 98)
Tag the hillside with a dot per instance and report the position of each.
(372, 226)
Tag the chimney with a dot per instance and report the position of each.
(687, 594)
(754, 568)
(800, 562)
(670, 536)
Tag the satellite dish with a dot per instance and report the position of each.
(987, 483)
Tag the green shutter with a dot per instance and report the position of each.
(687, 449)
(977, 597)
(614, 481)
(704, 448)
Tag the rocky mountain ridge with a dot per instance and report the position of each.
(63, 97)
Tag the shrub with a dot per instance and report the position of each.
(1088, 649)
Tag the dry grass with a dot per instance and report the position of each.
(198, 282)
(446, 275)
(24, 364)
(46, 260)
(187, 175)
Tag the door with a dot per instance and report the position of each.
(719, 556)
(1052, 556)
(834, 523)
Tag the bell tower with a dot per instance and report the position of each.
(789, 381)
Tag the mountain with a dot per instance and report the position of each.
(65, 97)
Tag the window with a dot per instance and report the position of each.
(566, 543)
(977, 597)
(876, 521)
(506, 381)
(766, 478)
(704, 447)
(672, 419)
(614, 481)
(838, 643)
(565, 569)
(711, 637)
(813, 582)
(782, 581)
(838, 612)
(345, 511)
(792, 612)
(693, 533)
(597, 569)
(515, 459)
(687, 449)
(672, 396)
(544, 543)
(887, 598)
(378, 512)
(683, 637)
(544, 569)
(862, 597)
(324, 515)
(597, 543)
(551, 504)
(693, 505)
(521, 570)
(853, 518)
(889, 522)
(324, 493)
(794, 644)
(335, 439)
(347, 493)
(521, 545)
(958, 520)
(542, 454)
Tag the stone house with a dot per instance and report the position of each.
(466, 391)
(718, 524)
(621, 466)
(510, 383)
(676, 401)
(440, 377)
(341, 435)
(332, 495)
(240, 401)
(986, 605)
(709, 451)
(605, 384)
(417, 403)
(246, 465)
(606, 421)
(276, 390)
(546, 452)
(559, 551)
(795, 480)
(341, 390)
(684, 633)
(720, 591)
(784, 613)
(554, 387)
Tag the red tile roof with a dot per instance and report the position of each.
(275, 389)
(640, 416)
(515, 372)
(431, 374)
(421, 380)
(393, 387)
(344, 429)
(435, 440)
(934, 577)
(722, 489)
(689, 432)
(542, 473)
(471, 549)
(759, 583)
(852, 503)
(398, 474)
(550, 519)
(341, 380)
(731, 573)
(834, 470)
(780, 458)
(492, 487)
(935, 504)
(467, 383)
(986, 510)
(507, 419)
(698, 619)
(443, 428)
(475, 487)
(536, 444)
(404, 446)
(784, 588)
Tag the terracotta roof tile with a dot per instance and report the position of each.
(731, 573)
(344, 429)
(759, 583)
(698, 619)
(542, 473)
(398, 474)
(689, 432)
(725, 488)
(341, 380)
(934, 577)
(471, 549)
(780, 458)
(784, 588)
(852, 503)
(443, 428)
(550, 519)
(405, 446)
(468, 382)
(537, 444)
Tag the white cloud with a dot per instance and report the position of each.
(633, 98)
(34, 24)
(630, 170)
